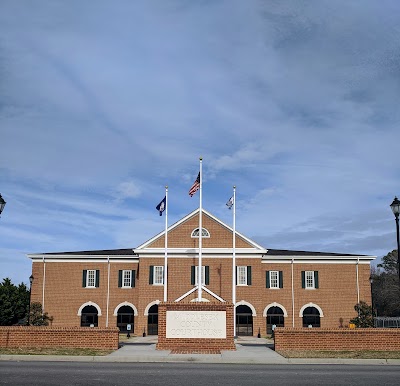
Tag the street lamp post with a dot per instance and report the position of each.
(395, 205)
(30, 291)
(371, 280)
(2, 203)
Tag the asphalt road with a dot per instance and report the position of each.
(173, 374)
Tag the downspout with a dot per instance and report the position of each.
(44, 282)
(358, 284)
(292, 294)
(108, 288)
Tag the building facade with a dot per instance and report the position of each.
(122, 287)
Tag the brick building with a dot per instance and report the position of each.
(118, 287)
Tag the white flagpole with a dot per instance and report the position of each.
(166, 246)
(200, 233)
(234, 262)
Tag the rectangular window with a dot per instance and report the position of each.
(158, 275)
(126, 279)
(274, 279)
(203, 275)
(91, 278)
(241, 275)
(309, 279)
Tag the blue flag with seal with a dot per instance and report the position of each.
(162, 205)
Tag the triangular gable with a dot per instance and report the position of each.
(179, 234)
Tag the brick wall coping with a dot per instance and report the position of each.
(318, 330)
(64, 329)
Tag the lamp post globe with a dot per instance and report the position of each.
(395, 206)
(2, 203)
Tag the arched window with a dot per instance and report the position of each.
(89, 317)
(125, 316)
(204, 233)
(275, 316)
(244, 320)
(152, 320)
(311, 317)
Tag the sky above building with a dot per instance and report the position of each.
(104, 103)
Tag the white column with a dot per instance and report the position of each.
(234, 262)
(200, 233)
(166, 247)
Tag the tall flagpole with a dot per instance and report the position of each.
(166, 246)
(234, 262)
(200, 233)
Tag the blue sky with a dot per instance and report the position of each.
(104, 103)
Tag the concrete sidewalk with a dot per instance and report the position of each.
(249, 350)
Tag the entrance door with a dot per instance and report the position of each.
(274, 316)
(125, 317)
(152, 320)
(89, 317)
(244, 321)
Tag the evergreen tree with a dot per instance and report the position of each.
(386, 286)
(365, 318)
(37, 317)
(14, 301)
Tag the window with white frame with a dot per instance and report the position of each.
(204, 233)
(126, 279)
(158, 275)
(309, 279)
(203, 275)
(91, 278)
(242, 275)
(274, 279)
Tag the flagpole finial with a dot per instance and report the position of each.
(234, 186)
(166, 186)
(201, 158)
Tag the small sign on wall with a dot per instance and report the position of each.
(196, 324)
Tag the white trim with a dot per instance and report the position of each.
(204, 300)
(358, 284)
(277, 280)
(146, 310)
(82, 259)
(190, 251)
(318, 259)
(186, 294)
(89, 304)
(123, 278)
(237, 276)
(207, 236)
(321, 314)
(135, 312)
(275, 304)
(108, 291)
(44, 281)
(213, 294)
(244, 303)
(156, 276)
(141, 247)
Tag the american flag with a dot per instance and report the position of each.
(195, 187)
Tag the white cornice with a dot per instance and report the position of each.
(256, 246)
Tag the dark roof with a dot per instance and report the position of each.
(105, 252)
(285, 252)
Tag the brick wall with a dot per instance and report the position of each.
(340, 339)
(47, 337)
(195, 345)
